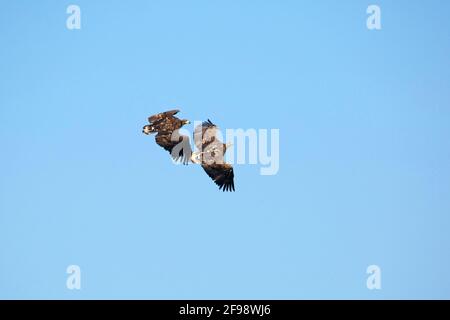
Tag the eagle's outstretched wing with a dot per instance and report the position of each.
(221, 174)
(178, 146)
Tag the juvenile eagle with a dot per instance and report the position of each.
(211, 156)
(166, 126)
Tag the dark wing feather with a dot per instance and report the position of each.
(221, 174)
(161, 116)
(208, 124)
(178, 146)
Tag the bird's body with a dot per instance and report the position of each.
(166, 126)
(211, 156)
(164, 123)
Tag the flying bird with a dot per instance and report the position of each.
(166, 126)
(211, 150)
(211, 156)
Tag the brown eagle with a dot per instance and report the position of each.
(166, 126)
(211, 150)
(211, 156)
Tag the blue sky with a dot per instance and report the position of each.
(364, 174)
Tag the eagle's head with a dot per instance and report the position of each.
(196, 157)
(147, 129)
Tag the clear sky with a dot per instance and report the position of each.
(364, 119)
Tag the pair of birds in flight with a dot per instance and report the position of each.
(211, 150)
